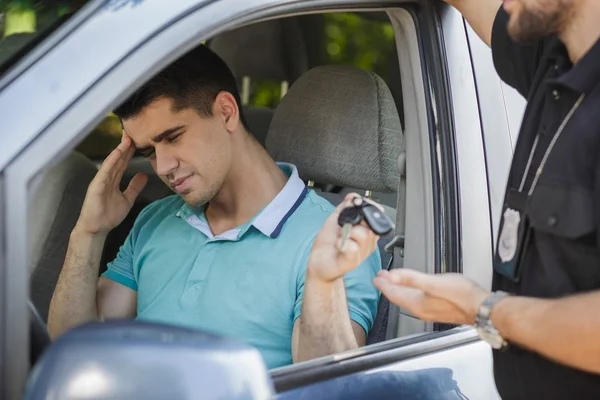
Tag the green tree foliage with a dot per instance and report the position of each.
(346, 39)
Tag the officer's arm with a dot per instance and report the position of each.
(565, 330)
(480, 14)
(515, 63)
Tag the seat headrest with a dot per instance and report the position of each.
(339, 125)
(272, 49)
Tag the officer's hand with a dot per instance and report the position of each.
(105, 206)
(326, 262)
(447, 298)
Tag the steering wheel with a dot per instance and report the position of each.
(39, 338)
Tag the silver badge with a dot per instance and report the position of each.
(507, 245)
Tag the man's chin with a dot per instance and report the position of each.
(192, 200)
(527, 26)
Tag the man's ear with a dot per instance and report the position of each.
(227, 108)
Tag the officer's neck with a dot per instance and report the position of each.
(582, 30)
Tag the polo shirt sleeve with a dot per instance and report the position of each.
(120, 269)
(362, 296)
(515, 63)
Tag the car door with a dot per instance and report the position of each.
(448, 225)
(452, 364)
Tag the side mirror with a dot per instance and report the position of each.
(139, 360)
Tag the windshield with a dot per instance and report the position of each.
(26, 23)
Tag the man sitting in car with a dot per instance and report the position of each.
(237, 251)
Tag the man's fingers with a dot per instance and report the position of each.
(119, 169)
(365, 238)
(105, 172)
(135, 187)
(350, 257)
(374, 203)
(331, 229)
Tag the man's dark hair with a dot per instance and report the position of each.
(192, 81)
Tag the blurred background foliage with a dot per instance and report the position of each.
(364, 40)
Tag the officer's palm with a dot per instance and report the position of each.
(449, 298)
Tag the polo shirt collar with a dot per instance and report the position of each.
(269, 221)
(583, 76)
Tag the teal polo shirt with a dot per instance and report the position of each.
(246, 283)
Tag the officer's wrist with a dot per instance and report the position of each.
(478, 298)
(500, 313)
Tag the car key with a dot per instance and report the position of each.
(361, 209)
(349, 217)
(379, 223)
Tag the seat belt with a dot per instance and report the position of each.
(396, 248)
(396, 245)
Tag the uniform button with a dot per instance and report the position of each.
(556, 67)
(552, 221)
(556, 94)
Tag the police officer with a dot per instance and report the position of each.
(543, 316)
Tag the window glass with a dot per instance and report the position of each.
(364, 40)
(26, 23)
(103, 139)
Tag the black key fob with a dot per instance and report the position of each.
(376, 219)
(350, 215)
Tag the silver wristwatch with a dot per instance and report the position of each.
(486, 329)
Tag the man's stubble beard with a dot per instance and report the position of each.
(535, 24)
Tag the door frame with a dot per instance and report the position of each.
(72, 112)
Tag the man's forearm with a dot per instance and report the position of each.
(74, 299)
(480, 14)
(325, 327)
(566, 330)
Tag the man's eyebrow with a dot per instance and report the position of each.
(159, 138)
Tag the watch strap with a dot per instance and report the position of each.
(483, 323)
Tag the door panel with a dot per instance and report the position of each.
(474, 201)
(457, 366)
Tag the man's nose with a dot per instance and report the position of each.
(166, 162)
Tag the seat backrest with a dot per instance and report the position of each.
(272, 50)
(339, 125)
(53, 211)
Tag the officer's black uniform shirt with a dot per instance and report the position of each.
(564, 254)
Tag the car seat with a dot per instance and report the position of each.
(54, 208)
(339, 125)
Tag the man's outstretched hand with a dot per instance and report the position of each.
(446, 298)
(326, 262)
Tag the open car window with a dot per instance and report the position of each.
(26, 23)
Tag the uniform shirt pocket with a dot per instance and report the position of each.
(564, 223)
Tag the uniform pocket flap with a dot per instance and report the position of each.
(562, 210)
